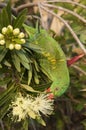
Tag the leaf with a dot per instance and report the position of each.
(22, 56)
(28, 88)
(83, 38)
(29, 75)
(20, 19)
(4, 110)
(16, 61)
(32, 114)
(5, 102)
(26, 65)
(5, 17)
(8, 8)
(7, 63)
(36, 66)
(25, 124)
(36, 79)
(1, 22)
(2, 54)
(30, 31)
(41, 121)
(7, 91)
(5, 81)
(33, 47)
(7, 94)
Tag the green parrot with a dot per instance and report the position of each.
(52, 60)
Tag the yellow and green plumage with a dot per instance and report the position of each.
(52, 60)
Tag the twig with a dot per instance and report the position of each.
(2, 5)
(41, 14)
(79, 69)
(33, 16)
(2, 125)
(19, 8)
(66, 10)
(66, 1)
(68, 26)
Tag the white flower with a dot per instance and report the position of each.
(2, 42)
(43, 104)
(4, 30)
(21, 35)
(23, 41)
(1, 36)
(16, 31)
(10, 27)
(17, 46)
(18, 112)
(23, 107)
(11, 46)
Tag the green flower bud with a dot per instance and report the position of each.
(21, 35)
(2, 42)
(17, 46)
(11, 46)
(10, 27)
(4, 30)
(22, 41)
(16, 31)
(1, 36)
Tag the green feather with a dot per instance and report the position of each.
(52, 60)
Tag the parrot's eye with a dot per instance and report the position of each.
(56, 89)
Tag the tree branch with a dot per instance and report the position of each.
(79, 69)
(66, 1)
(68, 26)
(27, 5)
(43, 25)
(2, 125)
(65, 10)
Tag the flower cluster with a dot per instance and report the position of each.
(12, 38)
(26, 106)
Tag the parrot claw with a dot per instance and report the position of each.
(50, 96)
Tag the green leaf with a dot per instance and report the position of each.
(33, 47)
(32, 114)
(4, 110)
(20, 19)
(5, 81)
(41, 121)
(22, 56)
(28, 88)
(25, 124)
(16, 62)
(29, 75)
(26, 65)
(5, 18)
(30, 30)
(36, 79)
(83, 37)
(2, 54)
(7, 63)
(8, 8)
(1, 22)
(7, 91)
(36, 66)
(5, 102)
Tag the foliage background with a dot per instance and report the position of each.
(70, 109)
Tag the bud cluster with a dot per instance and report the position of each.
(12, 38)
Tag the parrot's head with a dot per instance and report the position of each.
(58, 89)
